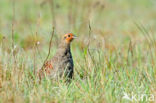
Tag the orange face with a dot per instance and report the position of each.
(69, 37)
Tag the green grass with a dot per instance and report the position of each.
(119, 55)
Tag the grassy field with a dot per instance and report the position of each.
(114, 57)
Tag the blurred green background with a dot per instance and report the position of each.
(109, 19)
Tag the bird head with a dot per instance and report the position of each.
(69, 37)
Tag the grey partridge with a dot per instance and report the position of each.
(61, 65)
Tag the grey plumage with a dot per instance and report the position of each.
(61, 65)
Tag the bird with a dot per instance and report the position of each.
(61, 65)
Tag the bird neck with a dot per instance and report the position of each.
(64, 48)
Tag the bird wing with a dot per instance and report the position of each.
(48, 67)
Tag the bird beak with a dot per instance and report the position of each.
(74, 36)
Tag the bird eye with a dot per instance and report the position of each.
(68, 35)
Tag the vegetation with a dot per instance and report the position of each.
(115, 52)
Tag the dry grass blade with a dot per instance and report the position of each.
(50, 43)
(13, 20)
(149, 39)
(52, 7)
